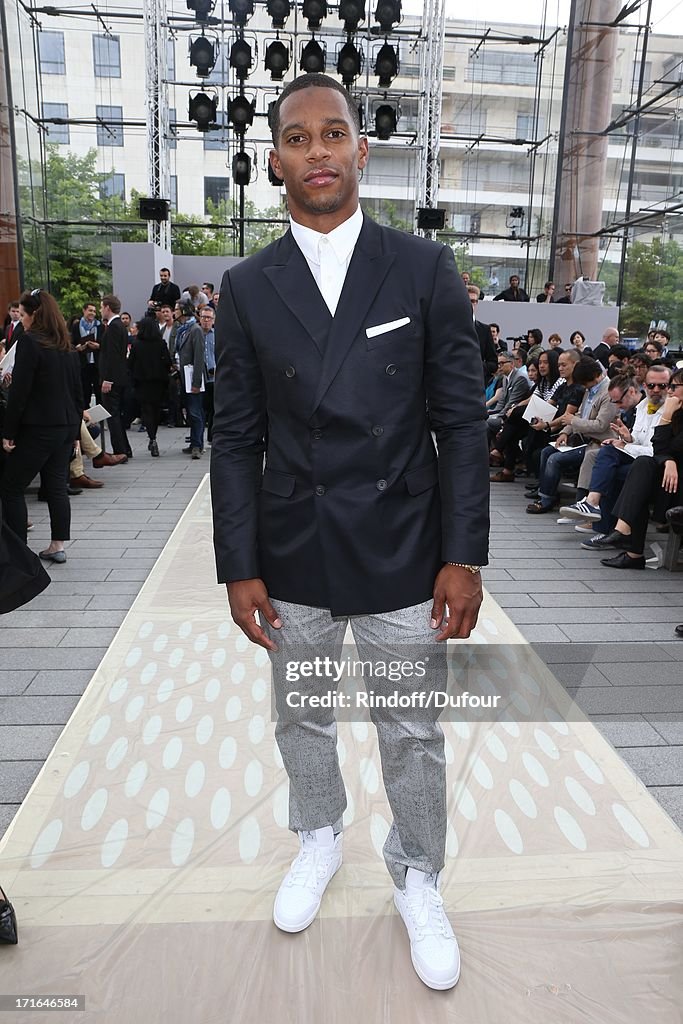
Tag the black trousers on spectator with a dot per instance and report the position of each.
(151, 395)
(208, 409)
(514, 430)
(113, 403)
(642, 487)
(90, 382)
(175, 401)
(44, 450)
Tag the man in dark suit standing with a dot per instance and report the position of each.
(164, 291)
(13, 326)
(85, 337)
(114, 372)
(489, 357)
(346, 344)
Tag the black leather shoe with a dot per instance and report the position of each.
(679, 631)
(611, 540)
(624, 561)
(8, 922)
(675, 515)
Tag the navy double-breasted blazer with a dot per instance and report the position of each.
(353, 508)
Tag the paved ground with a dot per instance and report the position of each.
(607, 635)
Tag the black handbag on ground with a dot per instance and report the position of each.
(8, 922)
(22, 576)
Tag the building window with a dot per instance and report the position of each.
(172, 134)
(109, 132)
(217, 190)
(174, 193)
(470, 119)
(170, 59)
(113, 185)
(529, 127)
(499, 68)
(217, 139)
(51, 53)
(107, 56)
(57, 132)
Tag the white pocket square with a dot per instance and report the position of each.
(372, 332)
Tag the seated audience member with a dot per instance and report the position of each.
(567, 297)
(515, 387)
(664, 339)
(499, 344)
(547, 295)
(77, 477)
(512, 294)
(567, 398)
(545, 382)
(606, 468)
(619, 353)
(654, 349)
(588, 427)
(641, 364)
(578, 340)
(555, 341)
(534, 340)
(655, 479)
(488, 352)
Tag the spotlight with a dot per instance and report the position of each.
(312, 58)
(203, 55)
(386, 65)
(241, 112)
(277, 60)
(431, 219)
(314, 11)
(201, 8)
(241, 168)
(240, 58)
(278, 11)
(388, 13)
(385, 121)
(351, 12)
(241, 10)
(203, 110)
(269, 113)
(349, 63)
(273, 178)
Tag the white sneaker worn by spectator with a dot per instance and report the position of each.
(433, 946)
(299, 896)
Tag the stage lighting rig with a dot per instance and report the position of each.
(313, 57)
(351, 12)
(241, 59)
(278, 12)
(386, 65)
(241, 11)
(241, 112)
(385, 121)
(314, 11)
(201, 8)
(388, 14)
(349, 63)
(203, 110)
(241, 168)
(277, 60)
(203, 55)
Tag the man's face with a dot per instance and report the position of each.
(474, 299)
(319, 155)
(494, 332)
(164, 276)
(177, 313)
(89, 313)
(641, 370)
(166, 315)
(567, 289)
(656, 384)
(465, 277)
(626, 399)
(565, 365)
(206, 318)
(105, 312)
(14, 314)
(207, 291)
(125, 320)
(505, 365)
(610, 337)
(216, 297)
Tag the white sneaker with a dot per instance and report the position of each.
(585, 527)
(298, 898)
(433, 946)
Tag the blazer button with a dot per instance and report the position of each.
(391, 369)
(320, 490)
(382, 485)
(378, 431)
(316, 434)
(290, 371)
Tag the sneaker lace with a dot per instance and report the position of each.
(308, 862)
(426, 911)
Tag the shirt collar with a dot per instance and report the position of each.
(342, 239)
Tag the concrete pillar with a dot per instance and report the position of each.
(582, 164)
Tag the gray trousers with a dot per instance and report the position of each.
(411, 746)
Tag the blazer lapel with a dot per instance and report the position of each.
(292, 280)
(369, 266)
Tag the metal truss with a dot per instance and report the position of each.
(429, 120)
(156, 103)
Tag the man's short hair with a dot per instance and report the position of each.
(622, 381)
(620, 351)
(207, 284)
(641, 357)
(497, 326)
(588, 369)
(308, 81)
(113, 301)
(573, 354)
(164, 270)
(14, 304)
(473, 289)
(165, 305)
(522, 355)
(87, 305)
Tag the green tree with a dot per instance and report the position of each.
(653, 287)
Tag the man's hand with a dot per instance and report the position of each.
(565, 419)
(247, 597)
(106, 387)
(196, 391)
(461, 591)
(614, 442)
(562, 440)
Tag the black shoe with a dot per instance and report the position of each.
(624, 561)
(188, 450)
(675, 516)
(154, 448)
(679, 631)
(537, 508)
(611, 540)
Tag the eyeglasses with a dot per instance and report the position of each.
(657, 387)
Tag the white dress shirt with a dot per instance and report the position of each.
(328, 256)
(643, 429)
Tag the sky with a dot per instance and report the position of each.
(667, 15)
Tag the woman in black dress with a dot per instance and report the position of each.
(149, 363)
(42, 420)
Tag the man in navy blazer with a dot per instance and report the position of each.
(342, 348)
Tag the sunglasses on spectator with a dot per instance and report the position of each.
(658, 387)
